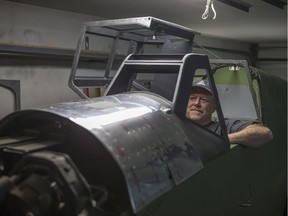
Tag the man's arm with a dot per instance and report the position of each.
(252, 136)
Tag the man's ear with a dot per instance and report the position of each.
(214, 108)
(214, 105)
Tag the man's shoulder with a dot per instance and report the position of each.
(232, 125)
(217, 123)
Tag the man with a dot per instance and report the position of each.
(200, 108)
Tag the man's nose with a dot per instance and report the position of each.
(197, 101)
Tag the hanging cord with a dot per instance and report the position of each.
(209, 6)
(207, 50)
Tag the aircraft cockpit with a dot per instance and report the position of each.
(118, 153)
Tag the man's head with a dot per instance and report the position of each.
(201, 103)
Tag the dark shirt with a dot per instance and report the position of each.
(231, 125)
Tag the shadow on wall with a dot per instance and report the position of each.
(8, 102)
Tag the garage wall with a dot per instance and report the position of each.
(218, 48)
(272, 57)
(42, 84)
(35, 26)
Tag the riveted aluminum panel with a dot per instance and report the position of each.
(143, 136)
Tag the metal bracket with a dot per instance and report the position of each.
(14, 87)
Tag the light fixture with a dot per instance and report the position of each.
(241, 5)
(277, 3)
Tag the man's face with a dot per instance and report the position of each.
(200, 106)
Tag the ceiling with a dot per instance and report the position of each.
(264, 23)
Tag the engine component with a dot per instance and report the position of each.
(46, 183)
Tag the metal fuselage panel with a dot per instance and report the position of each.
(143, 136)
